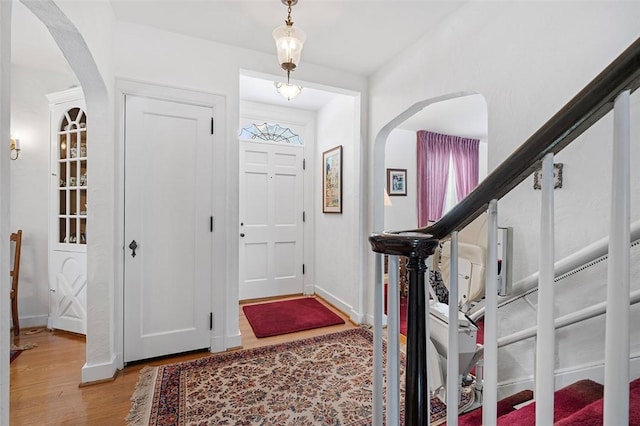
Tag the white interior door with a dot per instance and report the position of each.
(271, 222)
(168, 205)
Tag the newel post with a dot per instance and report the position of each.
(417, 382)
(417, 247)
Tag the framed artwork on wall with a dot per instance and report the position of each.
(396, 182)
(332, 180)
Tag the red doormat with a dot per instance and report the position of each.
(289, 316)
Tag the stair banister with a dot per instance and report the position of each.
(616, 357)
(453, 375)
(545, 343)
(583, 110)
(566, 320)
(393, 339)
(490, 385)
(582, 257)
(417, 247)
(377, 342)
(586, 108)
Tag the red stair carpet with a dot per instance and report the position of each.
(507, 405)
(567, 401)
(591, 415)
(289, 316)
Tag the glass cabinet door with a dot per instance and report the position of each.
(72, 172)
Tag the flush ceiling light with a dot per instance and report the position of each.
(289, 42)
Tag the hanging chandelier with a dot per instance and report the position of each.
(289, 42)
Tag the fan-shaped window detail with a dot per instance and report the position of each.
(270, 133)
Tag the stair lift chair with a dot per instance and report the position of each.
(471, 281)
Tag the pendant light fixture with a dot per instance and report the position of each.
(289, 42)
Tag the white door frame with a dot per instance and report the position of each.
(218, 292)
(253, 112)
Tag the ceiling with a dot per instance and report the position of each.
(352, 35)
(357, 36)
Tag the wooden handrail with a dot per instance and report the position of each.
(587, 107)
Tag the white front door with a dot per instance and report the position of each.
(168, 240)
(271, 222)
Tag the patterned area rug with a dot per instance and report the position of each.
(324, 380)
(17, 350)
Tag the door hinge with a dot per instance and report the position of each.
(210, 320)
(304, 216)
(211, 125)
(211, 224)
(303, 269)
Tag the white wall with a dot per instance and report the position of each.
(527, 59)
(30, 185)
(400, 153)
(337, 235)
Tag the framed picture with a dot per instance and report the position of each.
(396, 182)
(332, 180)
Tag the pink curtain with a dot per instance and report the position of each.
(466, 164)
(434, 151)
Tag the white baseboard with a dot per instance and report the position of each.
(338, 303)
(356, 317)
(370, 319)
(33, 321)
(222, 343)
(99, 372)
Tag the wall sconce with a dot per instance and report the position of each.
(14, 145)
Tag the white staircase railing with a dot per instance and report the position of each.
(615, 83)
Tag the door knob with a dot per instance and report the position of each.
(242, 235)
(133, 246)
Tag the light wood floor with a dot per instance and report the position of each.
(45, 380)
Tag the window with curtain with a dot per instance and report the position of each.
(447, 171)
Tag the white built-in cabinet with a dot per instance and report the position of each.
(68, 211)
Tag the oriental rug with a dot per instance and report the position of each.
(289, 316)
(17, 350)
(13, 354)
(324, 380)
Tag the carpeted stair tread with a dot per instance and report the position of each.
(505, 406)
(591, 415)
(567, 401)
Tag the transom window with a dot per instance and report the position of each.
(266, 132)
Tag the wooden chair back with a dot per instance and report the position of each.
(16, 238)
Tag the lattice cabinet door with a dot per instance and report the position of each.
(68, 211)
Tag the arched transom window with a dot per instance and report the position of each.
(266, 132)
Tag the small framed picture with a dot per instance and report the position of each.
(396, 182)
(332, 180)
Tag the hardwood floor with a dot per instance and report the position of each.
(45, 380)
